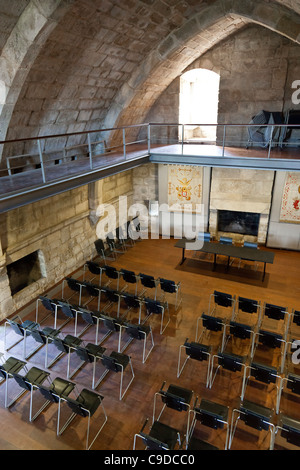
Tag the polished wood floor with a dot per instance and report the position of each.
(125, 418)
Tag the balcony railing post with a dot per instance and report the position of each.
(90, 151)
(270, 142)
(41, 160)
(224, 139)
(149, 137)
(124, 143)
(182, 138)
(8, 166)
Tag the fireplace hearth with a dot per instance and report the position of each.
(244, 223)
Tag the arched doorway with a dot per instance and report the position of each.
(198, 104)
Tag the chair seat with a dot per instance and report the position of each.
(12, 366)
(89, 400)
(36, 376)
(183, 393)
(30, 325)
(213, 409)
(72, 340)
(197, 444)
(122, 359)
(62, 387)
(164, 433)
(95, 350)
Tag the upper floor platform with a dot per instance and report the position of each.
(36, 168)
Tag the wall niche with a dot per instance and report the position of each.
(25, 271)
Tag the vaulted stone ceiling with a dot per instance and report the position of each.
(76, 65)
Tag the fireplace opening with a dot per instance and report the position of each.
(245, 223)
(25, 271)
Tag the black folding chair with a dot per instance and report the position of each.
(289, 383)
(23, 330)
(197, 351)
(218, 301)
(175, 398)
(138, 332)
(118, 363)
(170, 287)
(210, 324)
(11, 366)
(161, 437)
(229, 362)
(149, 282)
(130, 277)
(85, 405)
(155, 307)
(289, 429)
(91, 353)
(67, 345)
(102, 251)
(210, 414)
(255, 416)
(28, 383)
(263, 374)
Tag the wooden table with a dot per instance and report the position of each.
(231, 251)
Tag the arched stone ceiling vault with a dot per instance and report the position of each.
(76, 65)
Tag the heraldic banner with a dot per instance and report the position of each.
(184, 187)
(290, 206)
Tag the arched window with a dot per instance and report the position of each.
(198, 104)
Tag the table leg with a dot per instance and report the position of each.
(264, 271)
(228, 261)
(215, 262)
(183, 257)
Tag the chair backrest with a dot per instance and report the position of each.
(197, 351)
(153, 306)
(212, 323)
(226, 240)
(293, 383)
(174, 401)
(290, 430)
(16, 327)
(111, 272)
(67, 309)
(83, 354)
(111, 295)
(47, 303)
(262, 373)
(87, 316)
(92, 290)
(247, 305)
(153, 444)
(239, 330)
(100, 247)
(205, 236)
(223, 299)
(128, 276)
(296, 317)
(110, 363)
(60, 345)
(48, 394)
(112, 324)
(208, 414)
(255, 416)
(21, 381)
(38, 336)
(76, 407)
(250, 245)
(274, 312)
(167, 285)
(132, 301)
(147, 281)
(73, 284)
(230, 362)
(93, 267)
(270, 339)
(137, 331)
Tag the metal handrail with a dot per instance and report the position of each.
(136, 139)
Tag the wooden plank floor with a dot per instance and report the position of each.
(161, 259)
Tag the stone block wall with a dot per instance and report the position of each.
(63, 228)
(257, 68)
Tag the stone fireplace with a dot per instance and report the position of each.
(240, 202)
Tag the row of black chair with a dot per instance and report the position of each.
(84, 403)
(162, 436)
(117, 241)
(167, 286)
(114, 297)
